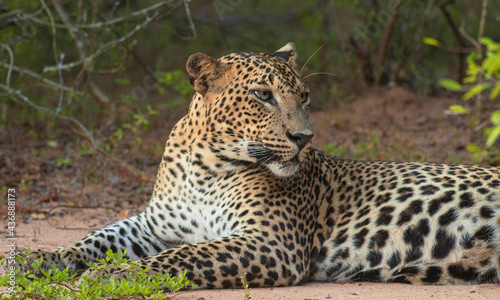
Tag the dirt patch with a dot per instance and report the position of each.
(407, 127)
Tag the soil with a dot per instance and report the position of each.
(383, 123)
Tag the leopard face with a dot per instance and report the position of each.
(252, 110)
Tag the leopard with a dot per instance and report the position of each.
(240, 191)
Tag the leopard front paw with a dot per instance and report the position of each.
(60, 258)
(112, 272)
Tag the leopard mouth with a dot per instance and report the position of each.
(284, 168)
(292, 162)
(272, 157)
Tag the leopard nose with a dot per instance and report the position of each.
(299, 138)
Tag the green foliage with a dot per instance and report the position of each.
(66, 162)
(334, 150)
(459, 109)
(474, 90)
(123, 81)
(431, 42)
(481, 154)
(178, 80)
(56, 284)
(367, 150)
(371, 150)
(362, 26)
(135, 124)
(483, 77)
(25, 183)
(451, 84)
(245, 286)
(84, 149)
(364, 150)
(454, 160)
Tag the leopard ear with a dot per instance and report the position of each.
(203, 70)
(288, 53)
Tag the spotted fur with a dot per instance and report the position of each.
(241, 191)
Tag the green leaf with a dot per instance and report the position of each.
(493, 136)
(491, 64)
(431, 41)
(472, 68)
(119, 134)
(472, 148)
(473, 91)
(495, 91)
(491, 44)
(450, 84)
(459, 109)
(64, 162)
(495, 117)
(122, 81)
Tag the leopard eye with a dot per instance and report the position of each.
(263, 95)
(303, 97)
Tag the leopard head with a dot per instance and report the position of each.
(252, 109)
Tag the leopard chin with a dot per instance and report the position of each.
(285, 168)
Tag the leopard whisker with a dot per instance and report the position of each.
(318, 73)
(304, 66)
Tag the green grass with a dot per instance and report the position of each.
(57, 284)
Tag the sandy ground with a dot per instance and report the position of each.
(40, 234)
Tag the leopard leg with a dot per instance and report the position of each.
(133, 234)
(222, 263)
